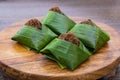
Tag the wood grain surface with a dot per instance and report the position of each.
(18, 62)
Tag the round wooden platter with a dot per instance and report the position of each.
(23, 64)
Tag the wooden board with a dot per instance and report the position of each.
(22, 64)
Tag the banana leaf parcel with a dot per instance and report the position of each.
(91, 35)
(34, 38)
(65, 53)
(58, 22)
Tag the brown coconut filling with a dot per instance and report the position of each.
(70, 37)
(56, 9)
(89, 22)
(34, 23)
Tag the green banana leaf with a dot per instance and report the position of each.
(58, 23)
(65, 53)
(92, 36)
(34, 38)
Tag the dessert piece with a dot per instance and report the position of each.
(34, 35)
(67, 51)
(92, 36)
(57, 21)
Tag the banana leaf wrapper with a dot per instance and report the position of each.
(34, 38)
(92, 36)
(65, 53)
(58, 23)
